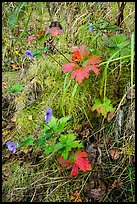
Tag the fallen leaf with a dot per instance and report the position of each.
(117, 184)
(54, 31)
(75, 197)
(30, 38)
(41, 34)
(15, 66)
(74, 171)
(110, 116)
(115, 153)
(107, 140)
(96, 193)
(82, 162)
(92, 152)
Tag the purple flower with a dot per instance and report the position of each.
(48, 115)
(29, 54)
(11, 146)
(91, 29)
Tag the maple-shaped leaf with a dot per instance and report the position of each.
(68, 142)
(79, 162)
(104, 107)
(74, 171)
(83, 162)
(93, 64)
(68, 67)
(80, 75)
(81, 64)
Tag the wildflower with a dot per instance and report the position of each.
(81, 63)
(30, 38)
(54, 31)
(11, 146)
(29, 54)
(91, 29)
(48, 115)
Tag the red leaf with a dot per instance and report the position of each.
(93, 64)
(80, 75)
(68, 67)
(74, 171)
(82, 162)
(62, 161)
(94, 60)
(81, 64)
(93, 68)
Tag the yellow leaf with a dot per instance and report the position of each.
(17, 53)
(14, 66)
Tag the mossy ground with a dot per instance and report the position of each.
(34, 177)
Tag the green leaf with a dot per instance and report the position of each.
(28, 141)
(12, 19)
(67, 138)
(57, 147)
(15, 89)
(120, 43)
(48, 136)
(63, 120)
(65, 154)
(15, 14)
(40, 141)
(36, 54)
(104, 107)
(50, 127)
(111, 27)
(67, 142)
(76, 144)
(53, 122)
(61, 124)
(49, 149)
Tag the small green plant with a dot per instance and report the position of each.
(65, 145)
(15, 89)
(103, 108)
(53, 141)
